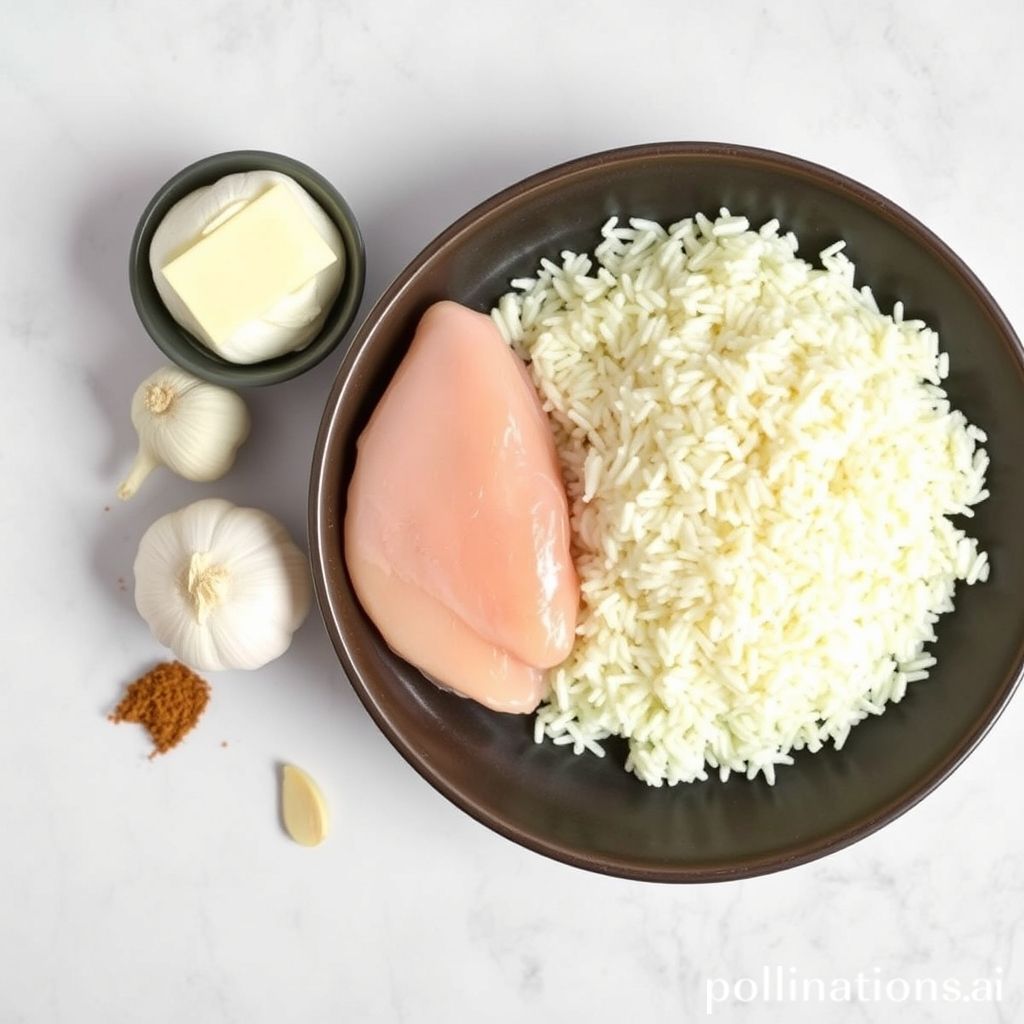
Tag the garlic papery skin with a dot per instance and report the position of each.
(192, 427)
(222, 586)
(206, 585)
(296, 318)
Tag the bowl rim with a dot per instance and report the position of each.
(319, 521)
(211, 367)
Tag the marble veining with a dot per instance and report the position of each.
(164, 891)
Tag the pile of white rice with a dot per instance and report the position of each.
(760, 468)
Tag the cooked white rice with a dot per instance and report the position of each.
(760, 468)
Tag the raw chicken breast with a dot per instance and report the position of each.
(432, 637)
(457, 527)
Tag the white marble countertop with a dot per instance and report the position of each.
(164, 891)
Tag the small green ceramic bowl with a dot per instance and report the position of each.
(185, 349)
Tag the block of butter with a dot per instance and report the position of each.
(241, 269)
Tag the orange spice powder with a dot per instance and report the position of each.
(168, 701)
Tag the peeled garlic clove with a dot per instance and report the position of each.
(303, 807)
(192, 427)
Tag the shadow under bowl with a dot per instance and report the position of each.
(587, 811)
(184, 348)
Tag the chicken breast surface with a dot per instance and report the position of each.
(457, 527)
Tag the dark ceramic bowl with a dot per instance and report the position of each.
(188, 351)
(587, 811)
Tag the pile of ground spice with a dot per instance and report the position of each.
(168, 701)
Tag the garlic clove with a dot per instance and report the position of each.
(143, 465)
(192, 427)
(303, 807)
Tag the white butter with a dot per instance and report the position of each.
(240, 270)
(225, 215)
(297, 318)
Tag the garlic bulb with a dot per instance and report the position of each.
(293, 321)
(221, 586)
(186, 424)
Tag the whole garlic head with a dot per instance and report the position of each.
(221, 586)
(186, 424)
(293, 322)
